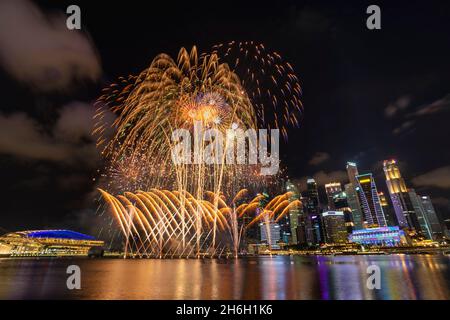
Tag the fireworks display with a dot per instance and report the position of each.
(238, 85)
(167, 224)
(273, 88)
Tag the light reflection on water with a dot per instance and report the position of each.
(299, 277)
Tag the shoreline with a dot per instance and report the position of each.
(440, 251)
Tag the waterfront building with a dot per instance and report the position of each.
(389, 213)
(314, 232)
(341, 204)
(51, 243)
(353, 203)
(332, 189)
(270, 233)
(334, 227)
(430, 213)
(352, 172)
(404, 210)
(352, 195)
(293, 216)
(382, 236)
(370, 202)
(419, 211)
(312, 196)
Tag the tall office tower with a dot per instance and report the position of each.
(401, 201)
(331, 189)
(314, 229)
(301, 233)
(389, 213)
(270, 233)
(341, 204)
(352, 196)
(312, 194)
(353, 203)
(422, 218)
(293, 216)
(436, 227)
(370, 202)
(313, 219)
(334, 227)
(352, 172)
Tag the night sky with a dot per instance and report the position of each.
(368, 95)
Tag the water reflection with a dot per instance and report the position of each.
(316, 277)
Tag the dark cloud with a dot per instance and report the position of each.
(441, 201)
(322, 177)
(400, 104)
(69, 142)
(39, 50)
(319, 158)
(432, 108)
(404, 127)
(439, 178)
(410, 119)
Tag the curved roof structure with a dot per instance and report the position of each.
(54, 234)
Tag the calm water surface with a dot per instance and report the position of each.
(283, 277)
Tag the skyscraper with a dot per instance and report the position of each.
(341, 204)
(352, 172)
(301, 233)
(436, 227)
(388, 211)
(370, 202)
(352, 196)
(334, 227)
(270, 233)
(293, 216)
(353, 203)
(401, 201)
(416, 202)
(314, 230)
(332, 189)
(312, 194)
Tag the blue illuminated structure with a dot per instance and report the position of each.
(384, 236)
(58, 234)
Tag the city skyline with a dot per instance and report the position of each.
(363, 206)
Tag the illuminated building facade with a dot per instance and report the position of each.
(332, 189)
(352, 172)
(292, 218)
(340, 203)
(436, 228)
(401, 201)
(314, 230)
(352, 195)
(270, 233)
(389, 213)
(370, 202)
(334, 227)
(383, 236)
(50, 243)
(419, 211)
(312, 196)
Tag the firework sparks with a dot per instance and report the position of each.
(175, 94)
